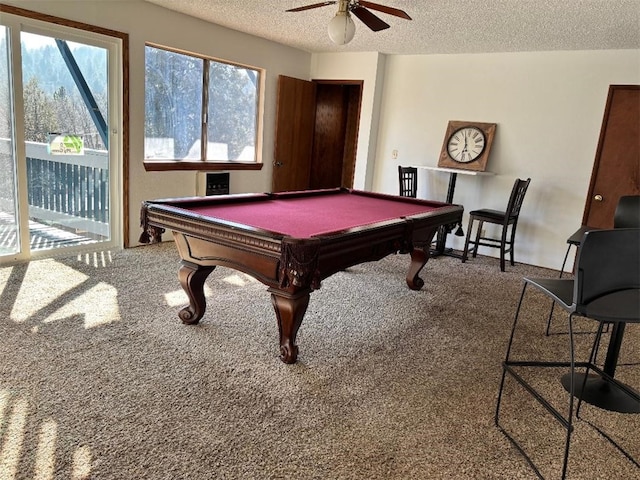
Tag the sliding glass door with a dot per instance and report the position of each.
(59, 148)
(9, 225)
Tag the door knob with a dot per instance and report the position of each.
(598, 198)
(278, 164)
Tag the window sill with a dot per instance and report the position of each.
(176, 165)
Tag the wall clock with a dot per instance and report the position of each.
(467, 145)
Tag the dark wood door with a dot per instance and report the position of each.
(295, 118)
(328, 139)
(616, 170)
(316, 134)
(334, 142)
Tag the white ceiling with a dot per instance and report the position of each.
(438, 26)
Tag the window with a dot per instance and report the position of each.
(200, 114)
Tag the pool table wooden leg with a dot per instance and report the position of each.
(419, 258)
(192, 278)
(290, 309)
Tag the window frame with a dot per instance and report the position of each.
(159, 165)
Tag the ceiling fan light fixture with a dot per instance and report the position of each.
(341, 28)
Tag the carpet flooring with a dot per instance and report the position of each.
(100, 380)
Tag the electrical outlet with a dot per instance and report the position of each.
(394, 154)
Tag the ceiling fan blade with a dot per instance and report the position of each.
(384, 9)
(309, 7)
(369, 19)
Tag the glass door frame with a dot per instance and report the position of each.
(114, 45)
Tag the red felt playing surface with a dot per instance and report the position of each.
(306, 217)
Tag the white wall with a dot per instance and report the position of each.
(549, 108)
(368, 67)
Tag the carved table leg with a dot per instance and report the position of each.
(192, 278)
(419, 258)
(290, 309)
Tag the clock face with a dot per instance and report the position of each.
(466, 144)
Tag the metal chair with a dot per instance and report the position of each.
(408, 181)
(508, 219)
(606, 289)
(627, 215)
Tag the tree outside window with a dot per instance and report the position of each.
(199, 109)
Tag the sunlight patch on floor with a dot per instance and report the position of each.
(239, 279)
(15, 419)
(14, 413)
(50, 283)
(96, 259)
(81, 463)
(179, 297)
(5, 273)
(98, 306)
(46, 452)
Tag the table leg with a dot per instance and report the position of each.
(192, 278)
(452, 187)
(444, 230)
(419, 258)
(290, 310)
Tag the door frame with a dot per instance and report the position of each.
(117, 45)
(289, 144)
(352, 128)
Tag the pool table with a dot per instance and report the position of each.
(291, 241)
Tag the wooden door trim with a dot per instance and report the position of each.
(338, 82)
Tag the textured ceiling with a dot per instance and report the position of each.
(438, 26)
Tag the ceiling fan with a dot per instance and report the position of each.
(341, 27)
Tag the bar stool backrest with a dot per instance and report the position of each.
(627, 214)
(408, 181)
(608, 262)
(517, 197)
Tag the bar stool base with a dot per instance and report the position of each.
(602, 393)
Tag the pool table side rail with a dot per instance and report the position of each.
(203, 242)
(285, 262)
(374, 242)
(158, 216)
(187, 202)
(178, 207)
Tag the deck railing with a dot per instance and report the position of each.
(71, 191)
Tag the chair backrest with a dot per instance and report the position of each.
(608, 261)
(627, 213)
(408, 178)
(517, 197)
